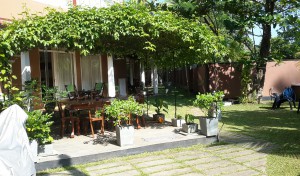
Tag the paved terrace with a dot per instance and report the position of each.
(84, 149)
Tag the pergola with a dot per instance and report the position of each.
(162, 37)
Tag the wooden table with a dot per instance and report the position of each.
(76, 105)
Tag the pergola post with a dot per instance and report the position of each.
(111, 77)
(155, 80)
(131, 66)
(143, 79)
(25, 67)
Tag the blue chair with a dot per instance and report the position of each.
(288, 95)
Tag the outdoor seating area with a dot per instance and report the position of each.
(83, 113)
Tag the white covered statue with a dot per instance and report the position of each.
(15, 156)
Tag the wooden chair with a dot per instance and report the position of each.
(70, 119)
(93, 118)
(98, 90)
(73, 93)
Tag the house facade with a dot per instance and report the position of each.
(59, 68)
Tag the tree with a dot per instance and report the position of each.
(239, 18)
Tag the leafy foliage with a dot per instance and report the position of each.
(160, 105)
(119, 110)
(206, 100)
(189, 118)
(38, 127)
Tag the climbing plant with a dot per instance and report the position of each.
(122, 30)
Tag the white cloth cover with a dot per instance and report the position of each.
(15, 156)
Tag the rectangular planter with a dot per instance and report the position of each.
(34, 150)
(190, 128)
(177, 122)
(209, 126)
(45, 150)
(125, 135)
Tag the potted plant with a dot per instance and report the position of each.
(178, 121)
(210, 104)
(120, 111)
(160, 105)
(189, 126)
(38, 129)
(133, 108)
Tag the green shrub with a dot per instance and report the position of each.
(38, 127)
(206, 101)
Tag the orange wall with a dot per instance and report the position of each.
(34, 57)
(120, 70)
(78, 70)
(16, 70)
(199, 79)
(13, 8)
(281, 76)
(229, 79)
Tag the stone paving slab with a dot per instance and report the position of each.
(105, 166)
(126, 173)
(111, 170)
(172, 172)
(257, 163)
(222, 170)
(243, 173)
(162, 167)
(154, 163)
(232, 159)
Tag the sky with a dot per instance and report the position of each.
(258, 31)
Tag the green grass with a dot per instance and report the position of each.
(184, 104)
(280, 126)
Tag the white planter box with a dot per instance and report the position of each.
(125, 135)
(209, 126)
(190, 128)
(45, 150)
(34, 150)
(177, 122)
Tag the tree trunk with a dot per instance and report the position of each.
(265, 46)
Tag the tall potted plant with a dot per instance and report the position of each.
(133, 108)
(160, 105)
(38, 129)
(120, 111)
(210, 104)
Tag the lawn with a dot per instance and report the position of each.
(280, 126)
(184, 104)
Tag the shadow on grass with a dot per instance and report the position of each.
(280, 126)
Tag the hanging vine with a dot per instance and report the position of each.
(120, 30)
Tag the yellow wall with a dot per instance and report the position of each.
(13, 8)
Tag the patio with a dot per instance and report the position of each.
(84, 149)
